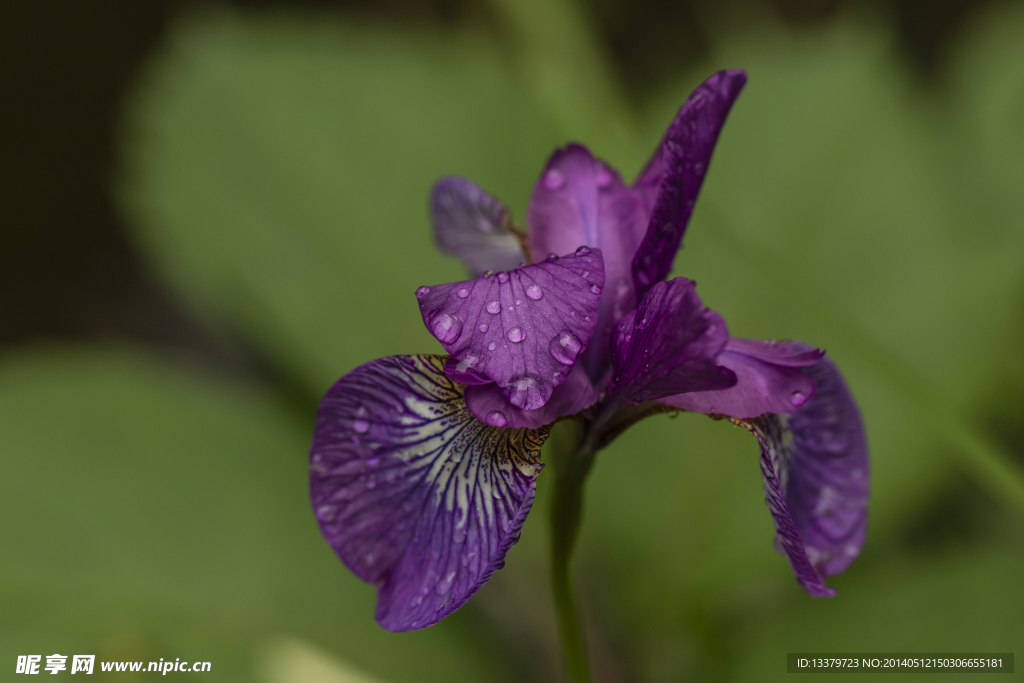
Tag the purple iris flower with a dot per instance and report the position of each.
(424, 467)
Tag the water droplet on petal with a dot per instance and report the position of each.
(445, 585)
(553, 179)
(522, 264)
(494, 307)
(583, 251)
(587, 318)
(496, 418)
(516, 335)
(446, 328)
(463, 293)
(518, 301)
(594, 289)
(361, 424)
(533, 291)
(492, 346)
(552, 256)
(565, 347)
(502, 277)
(422, 292)
(483, 327)
(798, 398)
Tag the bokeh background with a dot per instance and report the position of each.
(213, 211)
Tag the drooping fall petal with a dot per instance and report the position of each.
(412, 492)
(815, 467)
(768, 381)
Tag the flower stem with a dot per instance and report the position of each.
(571, 460)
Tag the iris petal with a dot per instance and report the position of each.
(815, 467)
(768, 381)
(672, 179)
(413, 493)
(668, 345)
(489, 404)
(473, 226)
(581, 200)
(523, 329)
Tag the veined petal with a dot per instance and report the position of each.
(668, 346)
(768, 381)
(489, 404)
(523, 329)
(815, 468)
(581, 200)
(672, 179)
(413, 493)
(474, 226)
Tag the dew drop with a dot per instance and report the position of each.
(422, 292)
(496, 418)
(552, 256)
(482, 327)
(565, 347)
(594, 289)
(583, 251)
(516, 335)
(463, 293)
(554, 180)
(492, 346)
(445, 585)
(488, 273)
(361, 424)
(798, 398)
(587, 318)
(446, 328)
(494, 307)
(533, 291)
(518, 302)
(502, 277)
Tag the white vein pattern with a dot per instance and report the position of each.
(414, 493)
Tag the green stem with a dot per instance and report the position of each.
(572, 457)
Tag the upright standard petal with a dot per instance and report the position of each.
(672, 179)
(668, 346)
(768, 381)
(474, 226)
(815, 468)
(581, 200)
(489, 404)
(522, 329)
(415, 494)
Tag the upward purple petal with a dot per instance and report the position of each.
(474, 226)
(668, 345)
(817, 488)
(768, 381)
(522, 329)
(581, 200)
(412, 492)
(672, 179)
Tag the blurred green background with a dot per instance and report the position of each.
(213, 211)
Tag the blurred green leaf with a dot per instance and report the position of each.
(281, 172)
(150, 514)
(966, 603)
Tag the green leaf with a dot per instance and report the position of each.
(151, 514)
